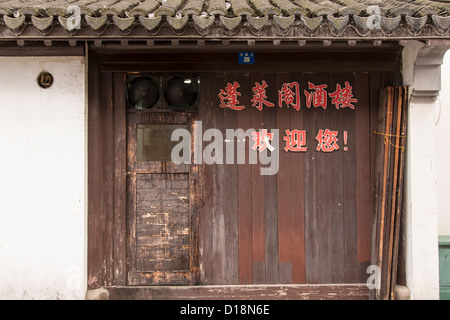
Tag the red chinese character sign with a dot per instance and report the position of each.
(295, 140)
(318, 97)
(228, 97)
(262, 140)
(327, 140)
(289, 94)
(259, 96)
(343, 98)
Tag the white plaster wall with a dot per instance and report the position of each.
(420, 228)
(443, 148)
(42, 179)
(422, 268)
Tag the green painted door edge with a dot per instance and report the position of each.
(444, 293)
(444, 267)
(444, 240)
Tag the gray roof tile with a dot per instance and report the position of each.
(305, 16)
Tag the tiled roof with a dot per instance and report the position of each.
(251, 18)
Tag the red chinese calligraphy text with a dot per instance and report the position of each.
(259, 96)
(288, 96)
(295, 140)
(228, 97)
(343, 97)
(261, 139)
(327, 140)
(318, 97)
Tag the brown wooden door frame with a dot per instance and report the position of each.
(137, 168)
(107, 237)
(107, 262)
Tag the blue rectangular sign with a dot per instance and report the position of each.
(246, 57)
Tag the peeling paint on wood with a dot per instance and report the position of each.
(242, 292)
(161, 197)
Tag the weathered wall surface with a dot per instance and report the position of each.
(421, 70)
(42, 185)
(442, 150)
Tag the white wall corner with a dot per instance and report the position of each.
(443, 153)
(421, 72)
(42, 190)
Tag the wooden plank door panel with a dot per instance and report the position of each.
(161, 206)
(162, 221)
(309, 223)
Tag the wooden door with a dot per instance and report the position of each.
(287, 228)
(311, 222)
(161, 211)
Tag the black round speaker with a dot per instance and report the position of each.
(142, 93)
(181, 93)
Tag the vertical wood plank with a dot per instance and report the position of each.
(120, 169)
(298, 191)
(108, 174)
(95, 141)
(342, 187)
(258, 198)
(363, 172)
(270, 189)
(311, 194)
(379, 176)
(245, 203)
(207, 103)
(131, 195)
(284, 195)
(375, 87)
(231, 209)
(196, 195)
(218, 204)
(324, 207)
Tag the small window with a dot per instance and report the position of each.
(181, 93)
(154, 142)
(162, 92)
(142, 93)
